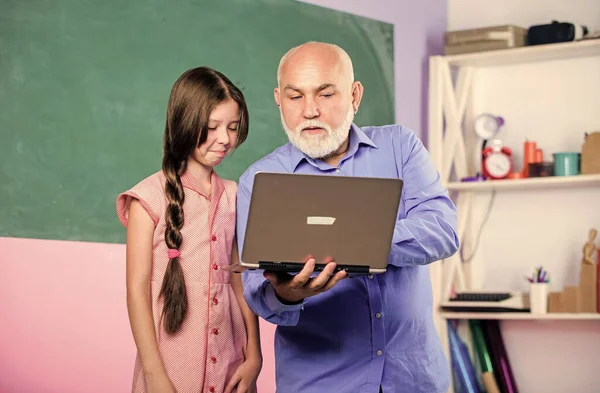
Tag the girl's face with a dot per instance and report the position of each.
(222, 134)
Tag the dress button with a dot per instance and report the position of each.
(214, 359)
(211, 389)
(215, 331)
(215, 267)
(370, 276)
(337, 170)
(379, 352)
(378, 315)
(214, 238)
(215, 301)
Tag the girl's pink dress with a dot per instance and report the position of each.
(211, 344)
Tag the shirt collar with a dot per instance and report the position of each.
(189, 181)
(357, 138)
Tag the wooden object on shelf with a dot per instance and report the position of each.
(590, 154)
(570, 299)
(555, 303)
(588, 282)
(582, 298)
(589, 249)
(588, 275)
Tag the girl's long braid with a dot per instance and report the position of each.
(173, 287)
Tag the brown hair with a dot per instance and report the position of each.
(193, 97)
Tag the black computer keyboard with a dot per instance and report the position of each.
(480, 297)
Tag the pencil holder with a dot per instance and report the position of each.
(538, 298)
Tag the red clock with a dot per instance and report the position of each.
(496, 161)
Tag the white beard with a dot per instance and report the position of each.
(321, 145)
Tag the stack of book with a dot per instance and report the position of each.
(491, 371)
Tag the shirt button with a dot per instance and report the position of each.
(211, 389)
(214, 238)
(378, 315)
(215, 267)
(337, 170)
(379, 352)
(215, 301)
(370, 276)
(214, 359)
(215, 331)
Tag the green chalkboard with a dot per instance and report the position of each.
(84, 86)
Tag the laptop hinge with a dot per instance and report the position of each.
(354, 269)
(294, 267)
(280, 266)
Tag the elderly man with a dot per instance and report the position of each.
(363, 334)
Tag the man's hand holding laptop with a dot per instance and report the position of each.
(295, 288)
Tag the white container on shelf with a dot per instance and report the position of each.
(538, 297)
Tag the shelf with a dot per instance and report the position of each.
(527, 54)
(521, 316)
(527, 184)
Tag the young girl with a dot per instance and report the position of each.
(192, 327)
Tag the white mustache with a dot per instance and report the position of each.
(313, 123)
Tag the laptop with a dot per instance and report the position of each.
(295, 216)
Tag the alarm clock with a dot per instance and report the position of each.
(496, 161)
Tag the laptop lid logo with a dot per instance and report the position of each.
(316, 220)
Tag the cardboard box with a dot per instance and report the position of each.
(484, 39)
(590, 154)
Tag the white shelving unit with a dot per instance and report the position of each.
(450, 144)
(516, 316)
(527, 183)
(526, 54)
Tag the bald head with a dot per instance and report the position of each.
(317, 54)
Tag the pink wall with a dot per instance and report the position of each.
(64, 325)
(64, 320)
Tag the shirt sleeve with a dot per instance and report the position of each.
(258, 292)
(427, 232)
(150, 195)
